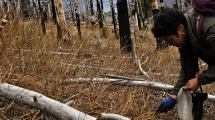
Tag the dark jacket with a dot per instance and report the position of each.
(199, 43)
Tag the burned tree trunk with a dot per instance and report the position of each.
(61, 22)
(77, 16)
(92, 17)
(145, 9)
(72, 11)
(43, 15)
(91, 8)
(53, 11)
(100, 17)
(25, 6)
(113, 17)
(124, 26)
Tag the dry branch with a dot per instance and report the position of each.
(110, 116)
(45, 104)
(130, 82)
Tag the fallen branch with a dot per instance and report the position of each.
(126, 82)
(43, 103)
(110, 116)
(130, 82)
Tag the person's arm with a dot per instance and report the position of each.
(189, 66)
(208, 76)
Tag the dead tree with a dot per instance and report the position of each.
(91, 8)
(62, 31)
(100, 17)
(92, 13)
(113, 18)
(136, 12)
(43, 15)
(124, 26)
(145, 9)
(25, 7)
(87, 13)
(77, 17)
(53, 12)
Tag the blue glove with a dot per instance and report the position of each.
(166, 105)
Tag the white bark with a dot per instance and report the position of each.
(130, 82)
(110, 116)
(48, 105)
(126, 82)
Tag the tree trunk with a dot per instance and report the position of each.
(45, 104)
(61, 22)
(124, 26)
(145, 10)
(100, 17)
(54, 16)
(43, 15)
(72, 11)
(48, 105)
(113, 18)
(91, 8)
(77, 16)
(25, 6)
(137, 14)
(87, 12)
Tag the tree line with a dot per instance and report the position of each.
(58, 11)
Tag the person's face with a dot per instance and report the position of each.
(177, 40)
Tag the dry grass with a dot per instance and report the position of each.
(43, 71)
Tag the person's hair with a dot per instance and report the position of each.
(167, 23)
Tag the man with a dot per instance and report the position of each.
(194, 35)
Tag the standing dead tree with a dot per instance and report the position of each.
(43, 14)
(100, 16)
(25, 7)
(77, 17)
(124, 26)
(53, 12)
(136, 13)
(62, 31)
(113, 18)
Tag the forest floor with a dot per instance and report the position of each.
(29, 59)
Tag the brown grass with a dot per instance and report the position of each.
(93, 56)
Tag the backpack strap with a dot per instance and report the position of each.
(209, 21)
(194, 36)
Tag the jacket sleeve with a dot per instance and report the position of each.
(208, 76)
(189, 66)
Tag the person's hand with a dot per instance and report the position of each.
(166, 104)
(192, 84)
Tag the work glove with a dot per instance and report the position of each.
(166, 104)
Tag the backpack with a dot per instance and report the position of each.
(204, 7)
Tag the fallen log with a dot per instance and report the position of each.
(130, 82)
(43, 103)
